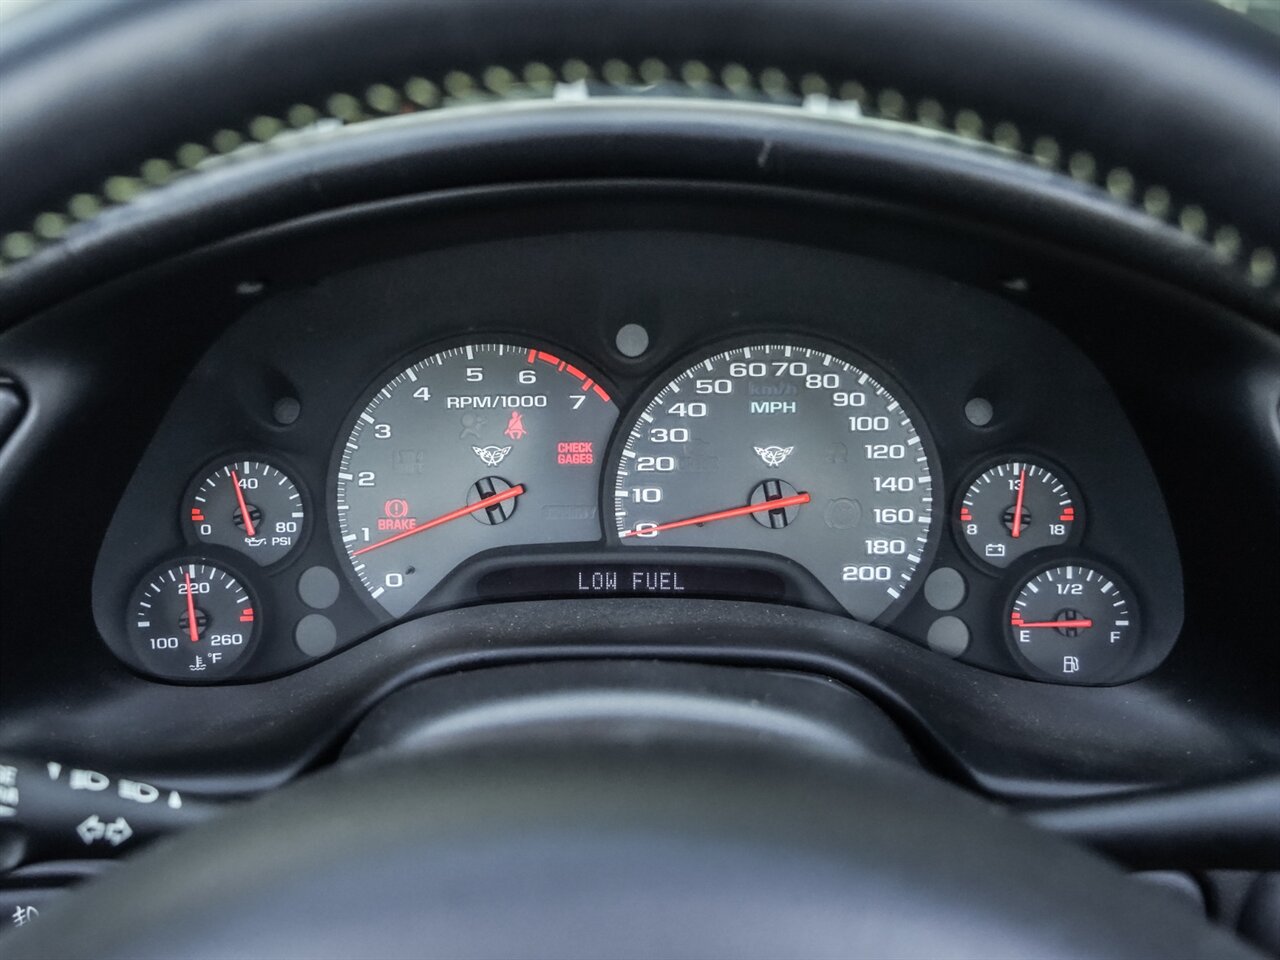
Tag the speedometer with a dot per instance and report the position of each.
(475, 448)
(789, 450)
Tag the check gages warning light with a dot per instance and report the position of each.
(575, 453)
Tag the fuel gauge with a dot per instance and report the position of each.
(1016, 507)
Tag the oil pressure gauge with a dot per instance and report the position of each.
(249, 506)
(1016, 507)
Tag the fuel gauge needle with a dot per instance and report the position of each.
(191, 610)
(483, 504)
(779, 504)
(1082, 624)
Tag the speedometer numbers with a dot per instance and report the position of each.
(789, 450)
(501, 443)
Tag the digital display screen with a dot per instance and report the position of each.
(631, 580)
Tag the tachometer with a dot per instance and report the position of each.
(476, 447)
(790, 450)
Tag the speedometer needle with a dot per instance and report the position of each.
(191, 610)
(482, 504)
(744, 511)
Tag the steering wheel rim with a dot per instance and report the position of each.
(1165, 109)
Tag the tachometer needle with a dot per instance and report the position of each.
(779, 504)
(244, 508)
(191, 610)
(482, 504)
(1083, 624)
(1017, 507)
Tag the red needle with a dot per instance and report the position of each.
(481, 504)
(750, 508)
(1017, 507)
(244, 509)
(1059, 624)
(191, 610)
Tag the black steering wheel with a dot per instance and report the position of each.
(621, 819)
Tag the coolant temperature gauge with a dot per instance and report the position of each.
(249, 506)
(192, 621)
(1016, 507)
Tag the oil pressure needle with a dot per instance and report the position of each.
(244, 508)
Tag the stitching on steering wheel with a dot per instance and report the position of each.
(810, 91)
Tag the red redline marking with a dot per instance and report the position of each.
(481, 504)
(575, 372)
(548, 357)
(532, 354)
(600, 393)
(587, 386)
(750, 508)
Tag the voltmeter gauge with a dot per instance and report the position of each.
(1016, 507)
(1074, 624)
(249, 506)
(193, 621)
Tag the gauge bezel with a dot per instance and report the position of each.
(213, 559)
(273, 460)
(1026, 570)
(775, 335)
(971, 476)
(424, 351)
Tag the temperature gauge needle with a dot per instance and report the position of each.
(482, 504)
(780, 504)
(191, 610)
(244, 508)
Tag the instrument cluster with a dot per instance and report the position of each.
(972, 486)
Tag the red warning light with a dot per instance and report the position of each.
(396, 508)
(575, 453)
(515, 426)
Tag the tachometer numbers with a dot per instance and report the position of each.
(785, 449)
(1014, 508)
(1073, 624)
(249, 506)
(192, 621)
(476, 447)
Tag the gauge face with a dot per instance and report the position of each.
(1074, 624)
(249, 506)
(474, 448)
(192, 621)
(789, 450)
(1016, 507)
